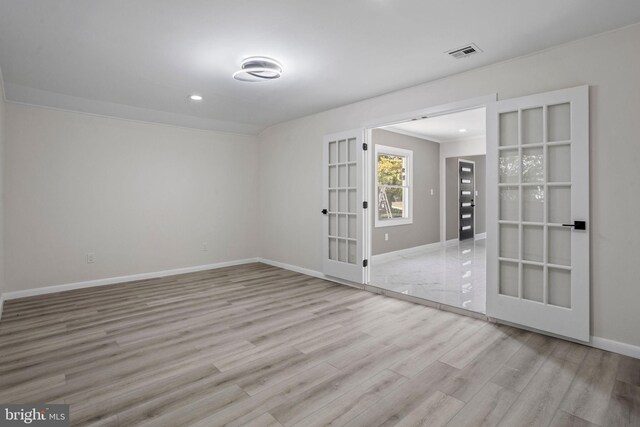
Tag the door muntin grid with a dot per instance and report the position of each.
(534, 180)
(342, 196)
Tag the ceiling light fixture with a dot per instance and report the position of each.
(462, 130)
(195, 97)
(258, 69)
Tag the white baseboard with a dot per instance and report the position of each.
(616, 347)
(480, 236)
(409, 251)
(122, 279)
(451, 242)
(309, 272)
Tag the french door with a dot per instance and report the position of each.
(538, 211)
(343, 230)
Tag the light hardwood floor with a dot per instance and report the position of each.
(255, 345)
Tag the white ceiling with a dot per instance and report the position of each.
(141, 59)
(447, 127)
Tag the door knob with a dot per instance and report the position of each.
(578, 225)
(324, 211)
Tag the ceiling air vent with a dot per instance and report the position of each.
(463, 52)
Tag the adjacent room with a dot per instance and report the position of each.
(311, 213)
(428, 236)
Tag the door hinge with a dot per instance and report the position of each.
(365, 205)
(365, 147)
(365, 262)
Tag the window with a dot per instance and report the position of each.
(393, 186)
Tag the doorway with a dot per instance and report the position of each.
(427, 239)
(537, 181)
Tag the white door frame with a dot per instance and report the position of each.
(437, 110)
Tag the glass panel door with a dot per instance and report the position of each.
(538, 242)
(342, 211)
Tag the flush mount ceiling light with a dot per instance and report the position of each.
(258, 69)
(195, 97)
(462, 130)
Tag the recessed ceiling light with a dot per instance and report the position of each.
(258, 69)
(462, 130)
(195, 97)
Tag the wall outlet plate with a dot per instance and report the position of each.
(91, 257)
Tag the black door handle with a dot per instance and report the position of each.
(324, 211)
(578, 225)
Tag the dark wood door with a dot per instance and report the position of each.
(466, 197)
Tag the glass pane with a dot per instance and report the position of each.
(342, 201)
(532, 126)
(352, 150)
(333, 152)
(333, 176)
(509, 197)
(342, 250)
(509, 166)
(509, 128)
(560, 205)
(333, 225)
(342, 226)
(509, 278)
(342, 151)
(352, 200)
(342, 176)
(391, 170)
(390, 202)
(533, 204)
(559, 163)
(352, 252)
(333, 201)
(560, 287)
(532, 165)
(352, 176)
(333, 249)
(509, 241)
(532, 282)
(353, 230)
(560, 245)
(532, 243)
(559, 122)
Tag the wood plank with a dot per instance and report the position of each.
(588, 396)
(624, 405)
(563, 419)
(348, 406)
(486, 408)
(538, 402)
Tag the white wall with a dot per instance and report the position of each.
(2, 143)
(144, 197)
(290, 156)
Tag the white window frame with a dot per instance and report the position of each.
(408, 154)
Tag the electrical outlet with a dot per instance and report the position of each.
(432, 191)
(386, 236)
(91, 257)
(205, 247)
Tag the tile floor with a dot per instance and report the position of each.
(454, 275)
